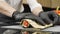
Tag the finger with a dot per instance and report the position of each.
(40, 21)
(46, 18)
(37, 19)
(18, 16)
(55, 17)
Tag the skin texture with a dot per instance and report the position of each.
(36, 11)
(35, 7)
(7, 10)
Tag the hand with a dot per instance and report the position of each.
(46, 16)
(6, 9)
(19, 16)
(39, 22)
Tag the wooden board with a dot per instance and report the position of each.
(50, 3)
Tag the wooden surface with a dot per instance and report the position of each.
(24, 1)
(47, 3)
(50, 3)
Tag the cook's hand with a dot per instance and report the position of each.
(19, 16)
(46, 16)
